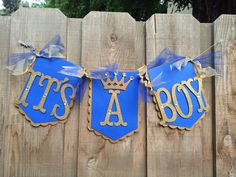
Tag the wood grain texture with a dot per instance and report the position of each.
(225, 97)
(29, 151)
(107, 38)
(101, 38)
(171, 152)
(4, 83)
(71, 127)
(207, 124)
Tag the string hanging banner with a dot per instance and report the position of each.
(47, 95)
(113, 108)
(180, 101)
(175, 83)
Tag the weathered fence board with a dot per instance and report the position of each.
(71, 130)
(102, 38)
(109, 38)
(4, 85)
(225, 99)
(206, 41)
(171, 152)
(32, 151)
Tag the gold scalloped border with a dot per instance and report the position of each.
(145, 79)
(27, 117)
(100, 134)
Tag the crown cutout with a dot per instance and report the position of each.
(115, 84)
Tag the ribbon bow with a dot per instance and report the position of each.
(19, 63)
(207, 65)
(78, 71)
(99, 73)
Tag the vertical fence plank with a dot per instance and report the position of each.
(171, 152)
(106, 38)
(71, 127)
(4, 111)
(32, 151)
(206, 42)
(225, 99)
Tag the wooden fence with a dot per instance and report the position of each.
(209, 150)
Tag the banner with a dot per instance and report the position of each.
(175, 83)
(47, 95)
(178, 97)
(113, 105)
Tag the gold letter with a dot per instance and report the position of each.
(109, 111)
(167, 104)
(45, 94)
(189, 101)
(67, 106)
(28, 87)
(198, 93)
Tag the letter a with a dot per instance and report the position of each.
(109, 111)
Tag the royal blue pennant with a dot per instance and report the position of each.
(175, 83)
(114, 105)
(179, 97)
(47, 95)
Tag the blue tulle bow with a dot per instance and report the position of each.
(165, 57)
(78, 71)
(99, 73)
(74, 71)
(102, 72)
(208, 64)
(19, 63)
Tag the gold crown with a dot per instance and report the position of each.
(115, 84)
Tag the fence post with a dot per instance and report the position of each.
(4, 84)
(225, 90)
(32, 151)
(108, 38)
(173, 152)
